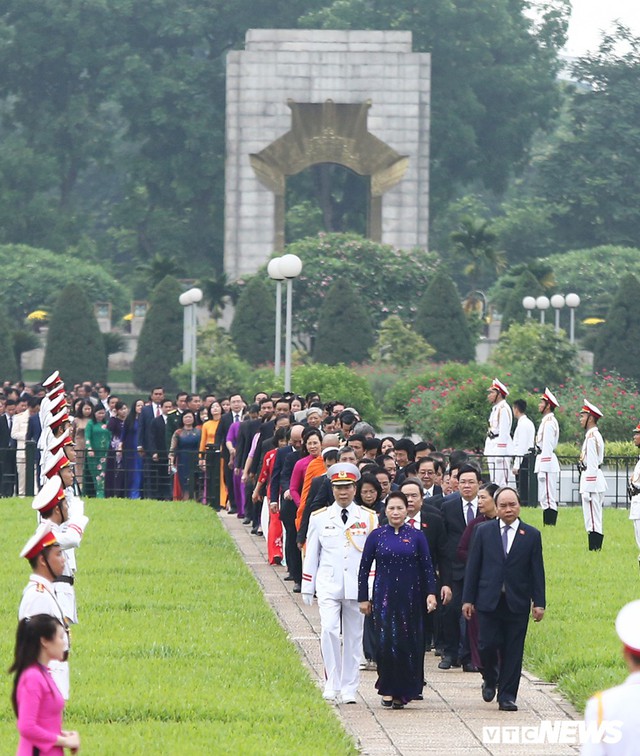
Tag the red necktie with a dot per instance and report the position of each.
(412, 522)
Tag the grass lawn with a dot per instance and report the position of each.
(576, 643)
(177, 651)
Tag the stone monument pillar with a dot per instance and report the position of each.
(297, 98)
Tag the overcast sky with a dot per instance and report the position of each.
(590, 17)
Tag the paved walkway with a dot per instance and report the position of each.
(452, 716)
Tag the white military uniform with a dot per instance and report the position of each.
(547, 466)
(592, 481)
(634, 509)
(613, 713)
(498, 442)
(39, 598)
(330, 569)
(69, 536)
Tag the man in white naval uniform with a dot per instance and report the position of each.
(335, 541)
(634, 491)
(47, 563)
(613, 713)
(592, 481)
(498, 445)
(524, 438)
(547, 465)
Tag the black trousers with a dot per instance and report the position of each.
(501, 647)
(452, 628)
(291, 551)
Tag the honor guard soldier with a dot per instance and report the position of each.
(634, 491)
(335, 541)
(612, 715)
(592, 481)
(47, 563)
(497, 447)
(547, 466)
(68, 523)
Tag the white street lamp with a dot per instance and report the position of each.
(189, 299)
(290, 267)
(273, 269)
(529, 304)
(573, 302)
(557, 302)
(542, 303)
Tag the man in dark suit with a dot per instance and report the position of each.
(426, 518)
(458, 509)
(426, 471)
(159, 450)
(149, 411)
(236, 406)
(8, 447)
(504, 582)
(280, 480)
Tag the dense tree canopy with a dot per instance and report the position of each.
(592, 178)
(615, 348)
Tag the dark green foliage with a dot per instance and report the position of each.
(8, 363)
(23, 341)
(160, 342)
(442, 322)
(75, 345)
(526, 285)
(616, 348)
(253, 327)
(345, 333)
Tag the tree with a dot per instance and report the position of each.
(253, 327)
(345, 333)
(8, 363)
(387, 280)
(475, 241)
(442, 322)
(535, 355)
(592, 177)
(526, 285)
(75, 345)
(33, 279)
(399, 345)
(160, 342)
(23, 341)
(615, 348)
(493, 78)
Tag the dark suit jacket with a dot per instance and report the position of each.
(436, 495)
(432, 525)
(281, 456)
(521, 571)
(226, 421)
(146, 418)
(455, 524)
(5, 434)
(158, 436)
(316, 499)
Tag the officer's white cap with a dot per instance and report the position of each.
(628, 626)
(343, 474)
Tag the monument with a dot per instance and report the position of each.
(297, 98)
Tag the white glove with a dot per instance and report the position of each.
(308, 598)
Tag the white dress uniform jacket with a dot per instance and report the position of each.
(616, 712)
(500, 421)
(39, 598)
(546, 440)
(69, 536)
(592, 479)
(334, 550)
(634, 509)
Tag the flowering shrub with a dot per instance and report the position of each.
(617, 397)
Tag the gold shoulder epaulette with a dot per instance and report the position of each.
(368, 509)
(317, 511)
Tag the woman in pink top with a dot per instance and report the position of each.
(36, 699)
(311, 449)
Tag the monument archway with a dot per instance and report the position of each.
(299, 98)
(329, 133)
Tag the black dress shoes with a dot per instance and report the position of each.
(507, 706)
(445, 663)
(297, 588)
(468, 667)
(287, 577)
(488, 692)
